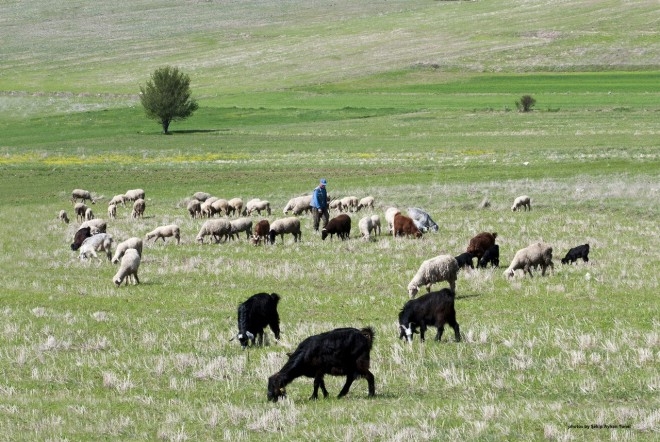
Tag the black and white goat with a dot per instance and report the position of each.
(491, 256)
(576, 253)
(339, 352)
(257, 312)
(435, 309)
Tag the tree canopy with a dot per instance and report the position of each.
(167, 96)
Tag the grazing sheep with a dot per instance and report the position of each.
(366, 226)
(422, 219)
(80, 209)
(194, 208)
(298, 205)
(285, 225)
(131, 243)
(340, 225)
(81, 235)
(138, 208)
(261, 231)
(130, 263)
(201, 196)
(234, 205)
(220, 206)
(435, 309)
(112, 211)
(82, 195)
(405, 226)
(97, 225)
(575, 253)
(89, 215)
(257, 205)
(241, 225)
(118, 199)
(339, 352)
(491, 256)
(367, 201)
(389, 218)
(218, 228)
(480, 243)
(207, 207)
(375, 223)
(440, 268)
(538, 254)
(257, 312)
(96, 243)
(165, 232)
(134, 194)
(335, 204)
(465, 260)
(523, 201)
(349, 203)
(62, 216)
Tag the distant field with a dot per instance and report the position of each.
(410, 102)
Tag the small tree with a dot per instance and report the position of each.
(166, 97)
(526, 103)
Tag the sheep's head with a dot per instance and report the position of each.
(509, 273)
(276, 388)
(117, 282)
(244, 338)
(412, 291)
(324, 234)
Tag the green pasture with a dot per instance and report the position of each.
(410, 102)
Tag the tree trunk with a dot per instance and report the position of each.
(166, 125)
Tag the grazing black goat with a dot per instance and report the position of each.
(435, 309)
(491, 256)
(465, 260)
(257, 312)
(339, 352)
(80, 236)
(341, 225)
(576, 253)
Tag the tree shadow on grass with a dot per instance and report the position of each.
(196, 131)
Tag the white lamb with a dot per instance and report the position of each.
(366, 226)
(440, 268)
(96, 243)
(538, 254)
(285, 225)
(241, 225)
(138, 208)
(171, 230)
(257, 205)
(349, 203)
(63, 216)
(220, 206)
(389, 217)
(131, 243)
(112, 211)
(218, 228)
(235, 205)
(375, 223)
(83, 195)
(89, 214)
(367, 201)
(523, 201)
(130, 263)
(118, 199)
(96, 225)
(335, 204)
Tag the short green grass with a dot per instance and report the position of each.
(405, 101)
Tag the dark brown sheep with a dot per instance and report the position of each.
(405, 226)
(480, 243)
(261, 231)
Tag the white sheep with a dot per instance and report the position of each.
(349, 203)
(523, 201)
(131, 243)
(201, 196)
(194, 208)
(335, 204)
(138, 208)
(389, 217)
(440, 268)
(96, 243)
(538, 254)
(171, 230)
(366, 226)
(130, 263)
(62, 216)
(218, 228)
(285, 225)
(96, 225)
(298, 205)
(80, 209)
(134, 194)
(207, 207)
(83, 195)
(367, 201)
(118, 199)
(257, 205)
(219, 206)
(112, 211)
(241, 225)
(89, 215)
(375, 223)
(235, 205)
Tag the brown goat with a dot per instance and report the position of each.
(480, 243)
(261, 230)
(404, 226)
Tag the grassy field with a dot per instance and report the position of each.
(410, 102)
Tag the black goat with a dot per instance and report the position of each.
(80, 236)
(465, 260)
(435, 309)
(341, 225)
(491, 256)
(339, 352)
(575, 253)
(257, 312)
